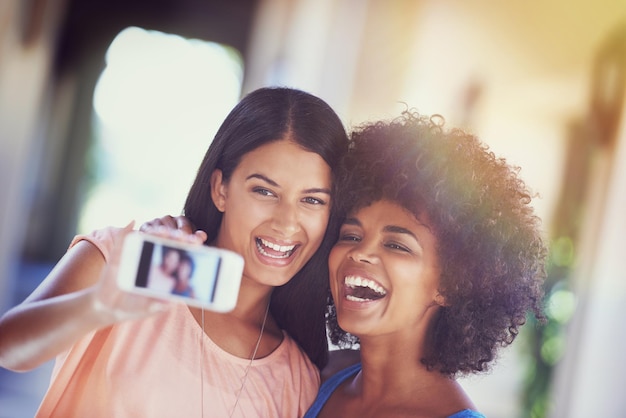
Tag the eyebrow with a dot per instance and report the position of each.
(400, 230)
(273, 183)
(394, 229)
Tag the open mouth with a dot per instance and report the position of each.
(271, 250)
(360, 289)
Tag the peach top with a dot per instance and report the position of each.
(165, 366)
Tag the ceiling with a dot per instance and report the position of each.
(90, 26)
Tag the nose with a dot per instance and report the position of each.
(363, 252)
(286, 219)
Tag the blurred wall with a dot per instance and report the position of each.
(85, 33)
(28, 30)
(590, 378)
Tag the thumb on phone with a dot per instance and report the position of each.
(112, 301)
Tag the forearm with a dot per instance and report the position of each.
(33, 333)
(79, 295)
(58, 313)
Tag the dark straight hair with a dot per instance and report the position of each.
(263, 116)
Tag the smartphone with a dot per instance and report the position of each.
(197, 275)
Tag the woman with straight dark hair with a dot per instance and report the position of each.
(265, 190)
(260, 119)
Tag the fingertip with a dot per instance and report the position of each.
(183, 224)
(202, 236)
(161, 230)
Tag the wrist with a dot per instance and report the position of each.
(99, 310)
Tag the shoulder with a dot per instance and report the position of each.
(103, 239)
(289, 352)
(339, 360)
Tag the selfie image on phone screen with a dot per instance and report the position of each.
(168, 270)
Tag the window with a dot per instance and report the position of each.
(157, 106)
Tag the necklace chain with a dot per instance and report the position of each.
(245, 375)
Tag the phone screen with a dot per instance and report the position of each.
(168, 270)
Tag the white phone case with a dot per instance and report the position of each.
(153, 266)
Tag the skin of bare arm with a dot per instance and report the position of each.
(78, 296)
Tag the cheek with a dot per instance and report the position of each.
(242, 207)
(239, 218)
(334, 285)
(422, 282)
(334, 259)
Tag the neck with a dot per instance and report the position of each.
(394, 377)
(252, 301)
(388, 367)
(240, 331)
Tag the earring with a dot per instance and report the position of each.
(440, 300)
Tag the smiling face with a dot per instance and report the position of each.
(276, 207)
(384, 272)
(184, 271)
(171, 258)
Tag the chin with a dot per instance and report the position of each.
(274, 280)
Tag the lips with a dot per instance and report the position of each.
(362, 289)
(273, 250)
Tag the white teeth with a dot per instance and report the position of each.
(276, 247)
(355, 299)
(286, 250)
(262, 251)
(356, 281)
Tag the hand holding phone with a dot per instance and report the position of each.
(197, 275)
(165, 226)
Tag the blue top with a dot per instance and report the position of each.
(329, 386)
(186, 292)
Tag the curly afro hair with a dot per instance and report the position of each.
(489, 242)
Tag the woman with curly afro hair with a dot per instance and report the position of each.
(438, 262)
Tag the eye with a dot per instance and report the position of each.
(263, 191)
(349, 237)
(396, 246)
(314, 201)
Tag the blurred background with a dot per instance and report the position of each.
(107, 107)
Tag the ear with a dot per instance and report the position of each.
(218, 190)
